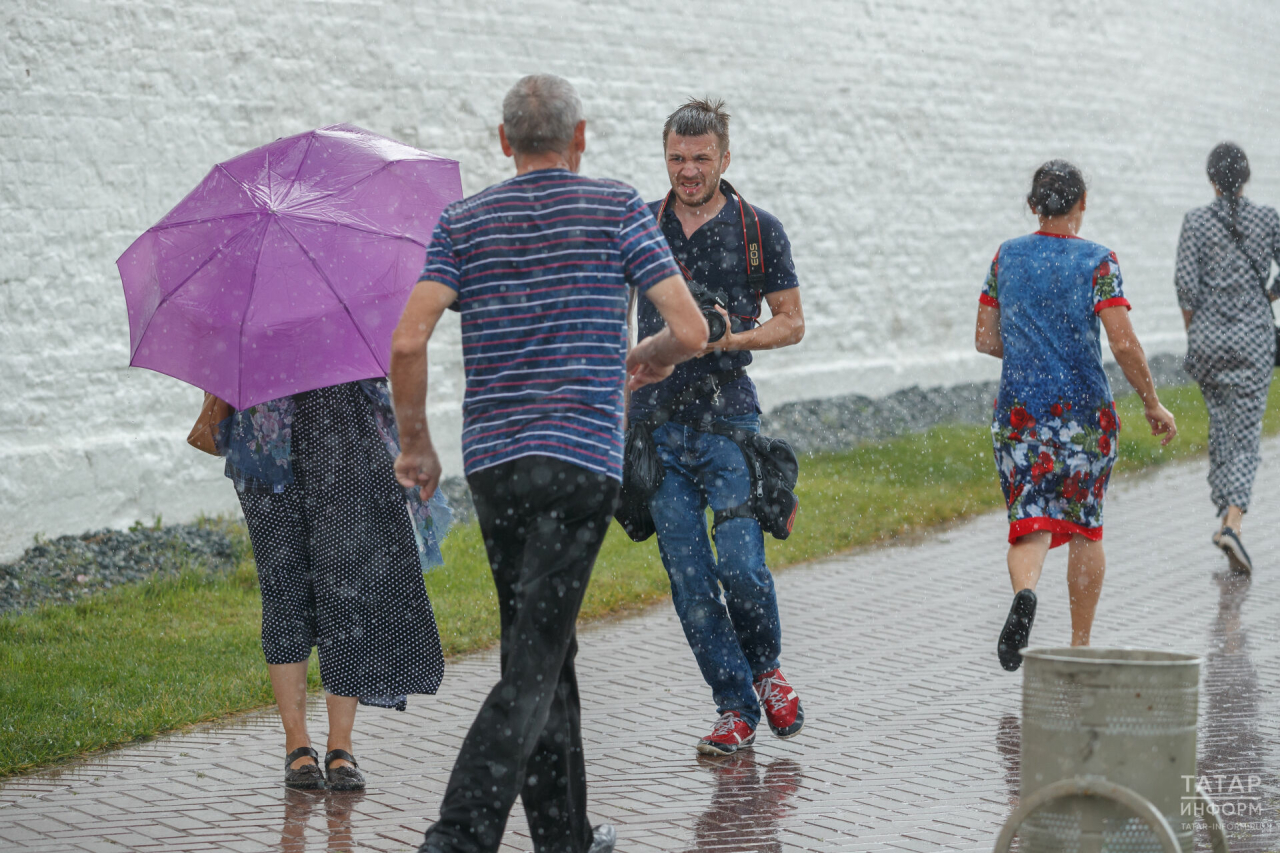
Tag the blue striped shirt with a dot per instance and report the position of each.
(542, 264)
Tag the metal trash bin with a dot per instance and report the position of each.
(1108, 749)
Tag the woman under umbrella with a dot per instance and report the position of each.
(1224, 261)
(1055, 430)
(340, 549)
(275, 285)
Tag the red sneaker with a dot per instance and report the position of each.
(730, 734)
(781, 704)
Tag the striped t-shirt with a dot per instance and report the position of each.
(542, 263)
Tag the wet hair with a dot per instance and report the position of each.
(1055, 188)
(540, 114)
(1228, 169)
(697, 117)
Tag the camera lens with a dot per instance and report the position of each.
(715, 325)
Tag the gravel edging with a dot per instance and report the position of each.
(841, 423)
(69, 568)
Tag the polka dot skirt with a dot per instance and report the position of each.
(337, 561)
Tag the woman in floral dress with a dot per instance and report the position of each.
(1055, 429)
(340, 548)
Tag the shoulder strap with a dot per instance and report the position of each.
(1262, 274)
(662, 211)
(753, 239)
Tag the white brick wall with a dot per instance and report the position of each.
(894, 140)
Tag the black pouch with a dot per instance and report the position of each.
(776, 503)
(642, 474)
(774, 470)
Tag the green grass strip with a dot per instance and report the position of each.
(137, 661)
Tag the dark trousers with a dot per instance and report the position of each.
(543, 521)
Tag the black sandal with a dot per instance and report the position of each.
(307, 777)
(1017, 630)
(343, 778)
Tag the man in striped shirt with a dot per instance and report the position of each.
(541, 267)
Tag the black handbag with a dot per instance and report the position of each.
(642, 474)
(774, 470)
(1263, 274)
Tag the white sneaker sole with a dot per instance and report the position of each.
(1238, 560)
(720, 750)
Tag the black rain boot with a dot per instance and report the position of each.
(1017, 630)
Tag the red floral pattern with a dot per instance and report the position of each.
(1054, 470)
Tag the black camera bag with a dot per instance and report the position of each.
(774, 469)
(642, 474)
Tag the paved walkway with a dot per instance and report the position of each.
(912, 736)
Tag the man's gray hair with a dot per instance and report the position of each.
(540, 114)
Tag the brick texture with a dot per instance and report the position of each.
(894, 140)
(912, 735)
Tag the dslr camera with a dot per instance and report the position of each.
(707, 301)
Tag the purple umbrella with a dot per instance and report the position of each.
(287, 268)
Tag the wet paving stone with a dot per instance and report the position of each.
(912, 735)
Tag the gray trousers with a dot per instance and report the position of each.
(1235, 431)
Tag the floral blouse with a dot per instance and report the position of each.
(1049, 290)
(258, 448)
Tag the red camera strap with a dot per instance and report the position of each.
(752, 238)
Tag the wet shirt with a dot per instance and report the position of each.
(1049, 290)
(1231, 339)
(715, 256)
(543, 263)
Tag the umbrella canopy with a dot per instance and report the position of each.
(287, 268)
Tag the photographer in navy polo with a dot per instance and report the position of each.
(735, 257)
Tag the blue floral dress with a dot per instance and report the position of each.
(1055, 430)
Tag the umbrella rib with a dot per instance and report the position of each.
(332, 290)
(248, 189)
(217, 250)
(311, 218)
(203, 219)
(358, 181)
(248, 303)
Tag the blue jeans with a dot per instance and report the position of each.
(738, 637)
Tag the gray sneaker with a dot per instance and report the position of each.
(603, 837)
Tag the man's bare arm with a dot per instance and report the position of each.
(653, 359)
(784, 328)
(418, 464)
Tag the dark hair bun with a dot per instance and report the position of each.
(1056, 188)
(1228, 168)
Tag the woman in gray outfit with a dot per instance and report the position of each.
(1224, 263)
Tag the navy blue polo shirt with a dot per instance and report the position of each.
(715, 255)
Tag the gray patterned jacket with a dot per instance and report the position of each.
(1232, 337)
